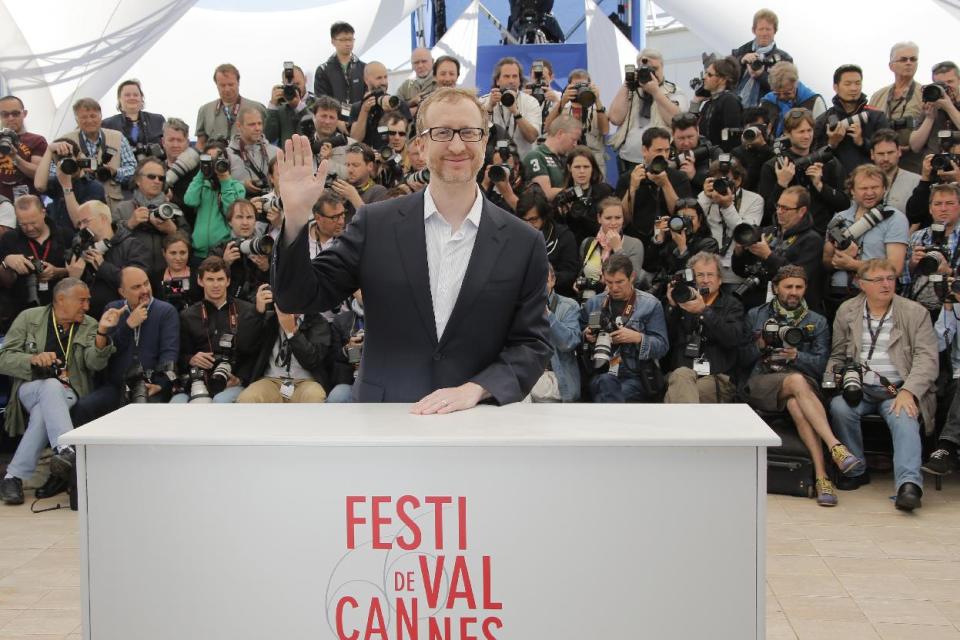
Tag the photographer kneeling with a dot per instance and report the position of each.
(788, 351)
(627, 331)
(219, 337)
(51, 352)
(885, 355)
(706, 331)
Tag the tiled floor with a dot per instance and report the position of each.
(860, 570)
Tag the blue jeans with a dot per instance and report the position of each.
(904, 430)
(341, 393)
(607, 387)
(48, 402)
(226, 396)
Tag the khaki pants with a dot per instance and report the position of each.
(685, 387)
(268, 390)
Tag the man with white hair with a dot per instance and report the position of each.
(902, 99)
(647, 101)
(413, 90)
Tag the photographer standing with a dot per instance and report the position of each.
(933, 250)
(250, 153)
(725, 211)
(887, 344)
(289, 103)
(787, 377)
(517, 112)
(581, 99)
(705, 332)
(644, 100)
(940, 112)
(630, 334)
(31, 260)
(722, 109)
(72, 186)
(341, 76)
(544, 165)
(216, 119)
(366, 113)
(219, 336)
(211, 192)
(99, 253)
(181, 164)
(51, 353)
(849, 124)
(414, 90)
(18, 169)
(792, 240)
(142, 215)
(753, 152)
(139, 127)
(887, 238)
(757, 57)
(823, 179)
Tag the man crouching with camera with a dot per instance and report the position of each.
(706, 330)
(219, 338)
(626, 331)
(885, 356)
(788, 352)
(51, 352)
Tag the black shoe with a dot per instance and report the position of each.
(64, 464)
(908, 497)
(941, 463)
(852, 483)
(53, 486)
(11, 490)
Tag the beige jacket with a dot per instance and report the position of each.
(113, 140)
(913, 348)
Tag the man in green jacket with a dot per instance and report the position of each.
(51, 353)
(211, 192)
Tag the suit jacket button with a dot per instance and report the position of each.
(437, 357)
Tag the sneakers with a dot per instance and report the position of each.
(11, 490)
(845, 460)
(941, 463)
(826, 496)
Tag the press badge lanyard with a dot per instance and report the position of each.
(56, 331)
(233, 322)
(874, 337)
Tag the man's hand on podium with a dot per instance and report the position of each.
(451, 399)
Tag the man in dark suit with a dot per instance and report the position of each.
(454, 287)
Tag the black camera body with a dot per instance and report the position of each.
(210, 167)
(933, 92)
(9, 142)
(778, 335)
(765, 61)
(588, 287)
(601, 350)
(144, 150)
(631, 77)
(822, 155)
(754, 275)
(849, 375)
(69, 165)
(55, 370)
(684, 286)
(135, 381)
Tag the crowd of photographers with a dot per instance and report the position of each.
(758, 246)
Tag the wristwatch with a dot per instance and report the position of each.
(67, 190)
(518, 116)
(601, 109)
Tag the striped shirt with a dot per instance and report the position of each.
(448, 254)
(880, 364)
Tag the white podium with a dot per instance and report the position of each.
(527, 522)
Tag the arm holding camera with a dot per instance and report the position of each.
(358, 129)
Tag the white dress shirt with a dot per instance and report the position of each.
(448, 254)
(530, 110)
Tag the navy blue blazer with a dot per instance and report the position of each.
(497, 335)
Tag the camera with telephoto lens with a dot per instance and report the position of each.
(685, 286)
(507, 97)
(570, 197)
(223, 364)
(331, 178)
(135, 382)
(850, 376)
(9, 142)
(697, 154)
(833, 121)
(942, 162)
(933, 92)
(270, 201)
(781, 145)
(937, 252)
(645, 73)
(588, 287)
(164, 211)
(69, 165)
(656, 166)
(585, 96)
(842, 234)
(31, 284)
(290, 90)
(199, 393)
(422, 176)
(602, 349)
(946, 288)
(746, 234)
(778, 335)
(499, 172)
(257, 246)
(184, 164)
(392, 101)
(754, 275)
(631, 77)
(733, 137)
(102, 171)
(822, 155)
(153, 150)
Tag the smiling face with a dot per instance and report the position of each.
(453, 161)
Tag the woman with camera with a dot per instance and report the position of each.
(722, 109)
(148, 214)
(577, 204)
(178, 282)
(609, 240)
(534, 209)
(139, 127)
(685, 234)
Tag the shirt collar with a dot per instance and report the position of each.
(430, 207)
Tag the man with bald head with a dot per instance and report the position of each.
(366, 113)
(414, 90)
(51, 353)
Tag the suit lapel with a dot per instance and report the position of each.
(412, 243)
(486, 251)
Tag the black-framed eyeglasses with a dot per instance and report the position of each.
(10, 114)
(402, 134)
(903, 59)
(532, 219)
(151, 176)
(780, 207)
(336, 217)
(445, 134)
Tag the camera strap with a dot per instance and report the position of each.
(233, 319)
(248, 161)
(875, 336)
(900, 103)
(230, 113)
(46, 251)
(884, 382)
